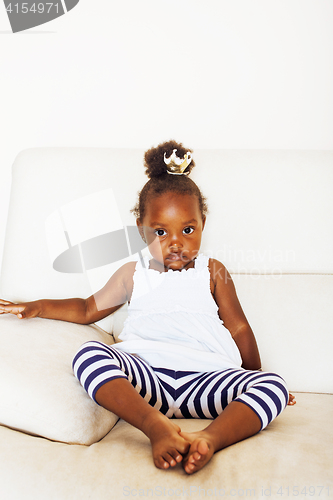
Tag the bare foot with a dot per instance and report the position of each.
(168, 446)
(292, 400)
(200, 452)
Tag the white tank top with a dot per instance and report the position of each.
(173, 321)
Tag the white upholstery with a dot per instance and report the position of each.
(270, 223)
(45, 180)
(39, 394)
(294, 452)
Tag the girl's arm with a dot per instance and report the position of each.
(84, 311)
(72, 310)
(232, 315)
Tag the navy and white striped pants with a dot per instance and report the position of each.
(182, 394)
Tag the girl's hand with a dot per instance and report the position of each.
(292, 400)
(25, 310)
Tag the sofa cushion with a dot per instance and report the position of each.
(291, 458)
(39, 393)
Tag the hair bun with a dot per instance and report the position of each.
(154, 158)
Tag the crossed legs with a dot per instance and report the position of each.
(241, 403)
(169, 445)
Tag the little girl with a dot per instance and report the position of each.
(188, 350)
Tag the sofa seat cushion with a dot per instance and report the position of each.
(294, 453)
(39, 393)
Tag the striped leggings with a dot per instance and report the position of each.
(182, 394)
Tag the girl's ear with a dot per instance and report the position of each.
(203, 222)
(140, 228)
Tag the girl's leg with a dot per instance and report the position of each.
(237, 422)
(120, 397)
(242, 403)
(125, 385)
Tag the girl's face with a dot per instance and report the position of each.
(172, 227)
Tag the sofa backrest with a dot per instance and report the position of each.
(269, 222)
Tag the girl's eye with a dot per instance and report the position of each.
(160, 232)
(188, 230)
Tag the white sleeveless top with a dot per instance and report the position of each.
(173, 321)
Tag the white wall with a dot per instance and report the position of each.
(214, 74)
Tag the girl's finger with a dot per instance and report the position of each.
(5, 302)
(13, 309)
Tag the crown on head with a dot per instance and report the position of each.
(176, 165)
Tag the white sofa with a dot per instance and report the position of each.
(270, 222)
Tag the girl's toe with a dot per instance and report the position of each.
(160, 463)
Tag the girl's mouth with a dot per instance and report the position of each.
(176, 257)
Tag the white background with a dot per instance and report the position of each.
(243, 74)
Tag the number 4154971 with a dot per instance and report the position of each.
(35, 8)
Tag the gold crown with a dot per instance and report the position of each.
(176, 165)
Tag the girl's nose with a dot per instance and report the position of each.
(175, 241)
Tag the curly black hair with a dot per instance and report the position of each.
(161, 182)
